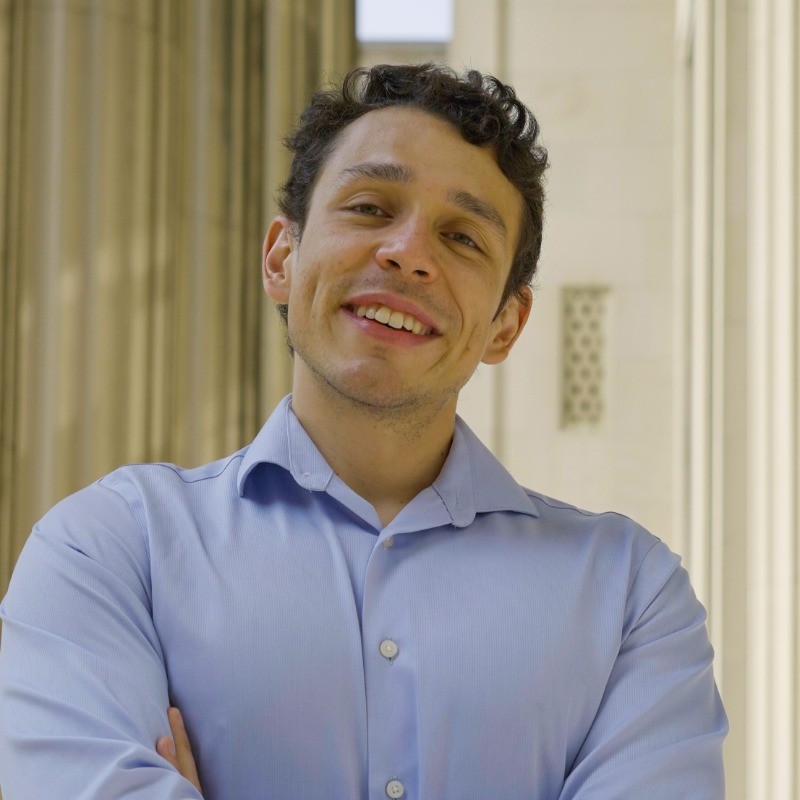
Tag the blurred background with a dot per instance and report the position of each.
(659, 376)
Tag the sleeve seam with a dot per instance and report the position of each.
(652, 600)
(142, 531)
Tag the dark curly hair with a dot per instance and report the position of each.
(484, 110)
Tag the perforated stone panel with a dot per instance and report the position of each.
(584, 343)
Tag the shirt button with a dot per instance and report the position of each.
(388, 541)
(395, 789)
(389, 650)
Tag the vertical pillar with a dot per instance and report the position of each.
(711, 497)
(774, 356)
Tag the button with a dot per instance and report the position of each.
(395, 789)
(389, 650)
(388, 541)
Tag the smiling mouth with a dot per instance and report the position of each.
(390, 318)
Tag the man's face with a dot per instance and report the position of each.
(407, 221)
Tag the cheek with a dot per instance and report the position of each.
(314, 293)
(478, 336)
(479, 299)
(471, 342)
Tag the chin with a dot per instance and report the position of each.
(369, 384)
(375, 393)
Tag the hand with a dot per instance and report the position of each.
(182, 758)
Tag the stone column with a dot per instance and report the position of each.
(738, 416)
(773, 289)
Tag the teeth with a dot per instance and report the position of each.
(394, 319)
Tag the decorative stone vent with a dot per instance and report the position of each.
(583, 355)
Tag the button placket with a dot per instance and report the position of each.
(388, 710)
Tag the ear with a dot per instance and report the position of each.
(507, 327)
(277, 258)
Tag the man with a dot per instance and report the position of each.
(363, 602)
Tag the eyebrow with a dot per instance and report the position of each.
(377, 170)
(391, 172)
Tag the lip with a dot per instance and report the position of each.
(396, 303)
(397, 337)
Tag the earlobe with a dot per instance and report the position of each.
(508, 326)
(277, 259)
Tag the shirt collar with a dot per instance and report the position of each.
(472, 480)
(283, 441)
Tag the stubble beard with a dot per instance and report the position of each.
(400, 408)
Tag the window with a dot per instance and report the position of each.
(404, 20)
(584, 316)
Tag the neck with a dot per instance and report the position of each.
(385, 456)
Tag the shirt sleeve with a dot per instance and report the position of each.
(83, 687)
(659, 729)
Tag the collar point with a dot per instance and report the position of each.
(462, 520)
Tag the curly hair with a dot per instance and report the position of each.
(485, 111)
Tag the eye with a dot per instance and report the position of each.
(462, 238)
(368, 209)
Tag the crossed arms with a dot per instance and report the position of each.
(84, 686)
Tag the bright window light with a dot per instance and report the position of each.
(404, 20)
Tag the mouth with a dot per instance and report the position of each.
(391, 318)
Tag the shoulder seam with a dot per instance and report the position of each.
(641, 563)
(127, 502)
(657, 592)
(568, 507)
(177, 471)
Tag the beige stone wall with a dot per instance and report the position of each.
(599, 78)
(372, 53)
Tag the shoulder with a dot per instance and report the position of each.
(619, 562)
(607, 537)
(119, 509)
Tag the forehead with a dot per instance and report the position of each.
(432, 150)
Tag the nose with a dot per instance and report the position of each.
(409, 246)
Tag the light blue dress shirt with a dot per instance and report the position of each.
(490, 643)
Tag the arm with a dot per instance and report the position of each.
(659, 729)
(83, 686)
